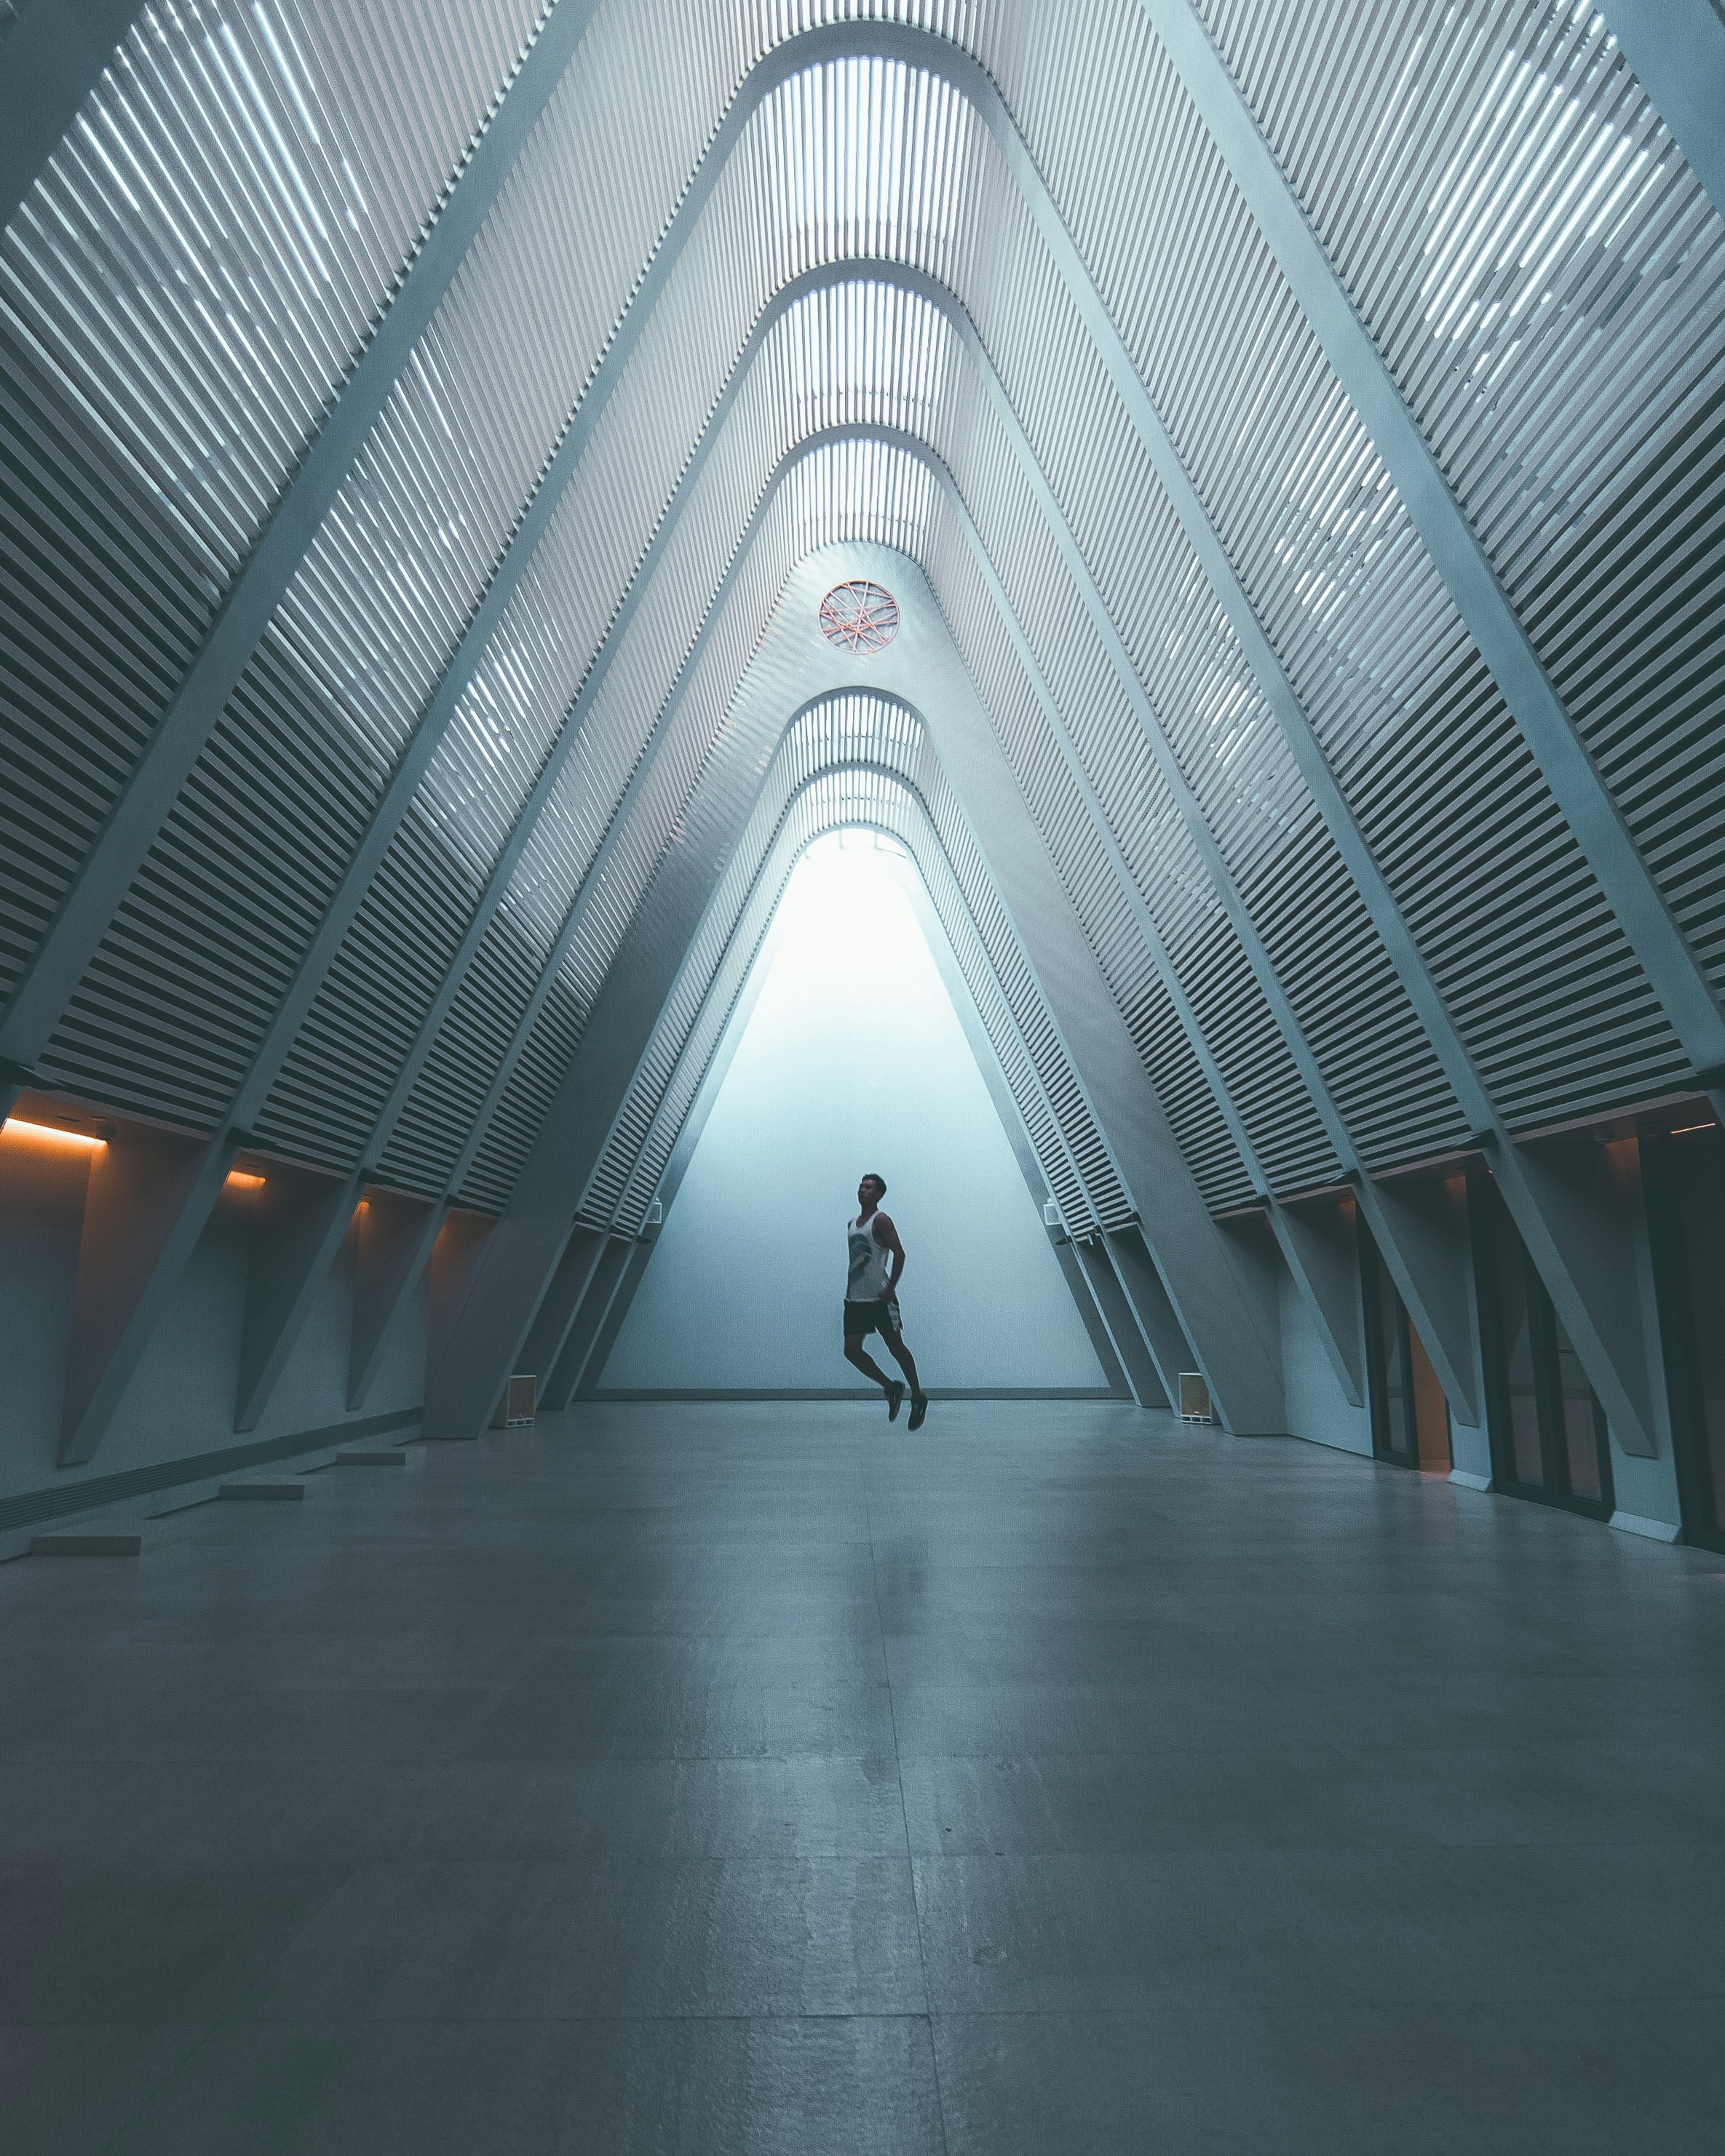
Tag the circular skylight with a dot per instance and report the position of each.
(859, 616)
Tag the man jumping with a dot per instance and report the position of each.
(876, 1262)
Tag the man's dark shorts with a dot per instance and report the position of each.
(882, 1317)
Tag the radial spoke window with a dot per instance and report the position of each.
(859, 616)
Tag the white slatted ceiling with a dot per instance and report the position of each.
(1283, 1124)
(1538, 263)
(102, 601)
(372, 619)
(1544, 989)
(181, 294)
(846, 490)
(1172, 1068)
(1542, 986)
(877, 106)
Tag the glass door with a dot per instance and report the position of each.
(1549, 1440)
(1410, 1416)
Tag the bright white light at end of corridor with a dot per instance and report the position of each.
(846, 904)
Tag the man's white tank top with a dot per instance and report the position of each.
(869, 1263)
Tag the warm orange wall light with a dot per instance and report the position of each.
(242, 1178)
(26, 1130)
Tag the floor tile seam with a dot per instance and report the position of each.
(1174, 2000)
(215, 2026)
(580, 1862)
(1347, 2011)
(922, 1950)
(659, 2016)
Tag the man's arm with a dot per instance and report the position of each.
(886, 1235)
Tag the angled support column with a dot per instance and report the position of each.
(561, 1305)
(585, 1379)
(293, 1220)
(617, 1263)
(395, 1234)
(140, 1227)
(1158, 1320)
(1428, 1215)
(1586, 802)
(1322, 1250)
(1078, 1287)
(1149, 1383)
(462, 1241)
(1677, 49)
(55, 54)
(1588, 1197)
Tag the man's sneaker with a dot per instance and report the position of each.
(895, 1400)
(919, 1408)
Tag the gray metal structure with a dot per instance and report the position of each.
(415, 484)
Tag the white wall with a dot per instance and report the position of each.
(853, 1059)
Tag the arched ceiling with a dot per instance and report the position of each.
(415, 421)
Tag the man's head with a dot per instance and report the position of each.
(871, 1190)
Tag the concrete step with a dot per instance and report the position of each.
(89, 1542)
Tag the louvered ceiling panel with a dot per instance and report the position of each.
(1370, 640)
(367, 1012)
(375, 615)
(1279, 1118)
(1378, 1067)
(1546, 277)
(181, 295)
(187, 979)
(1106, 1201)
(503, 732)
(469, 1048)
(1518, 229)
(205, 255)
(1378, 1063)
(864, 157)
(1210, 1151)
(103, 597)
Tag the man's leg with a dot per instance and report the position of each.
(902, 1356)
(855, 1353)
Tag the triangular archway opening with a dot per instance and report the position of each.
(852, 1058)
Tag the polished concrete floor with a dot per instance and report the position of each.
(737, 1780)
